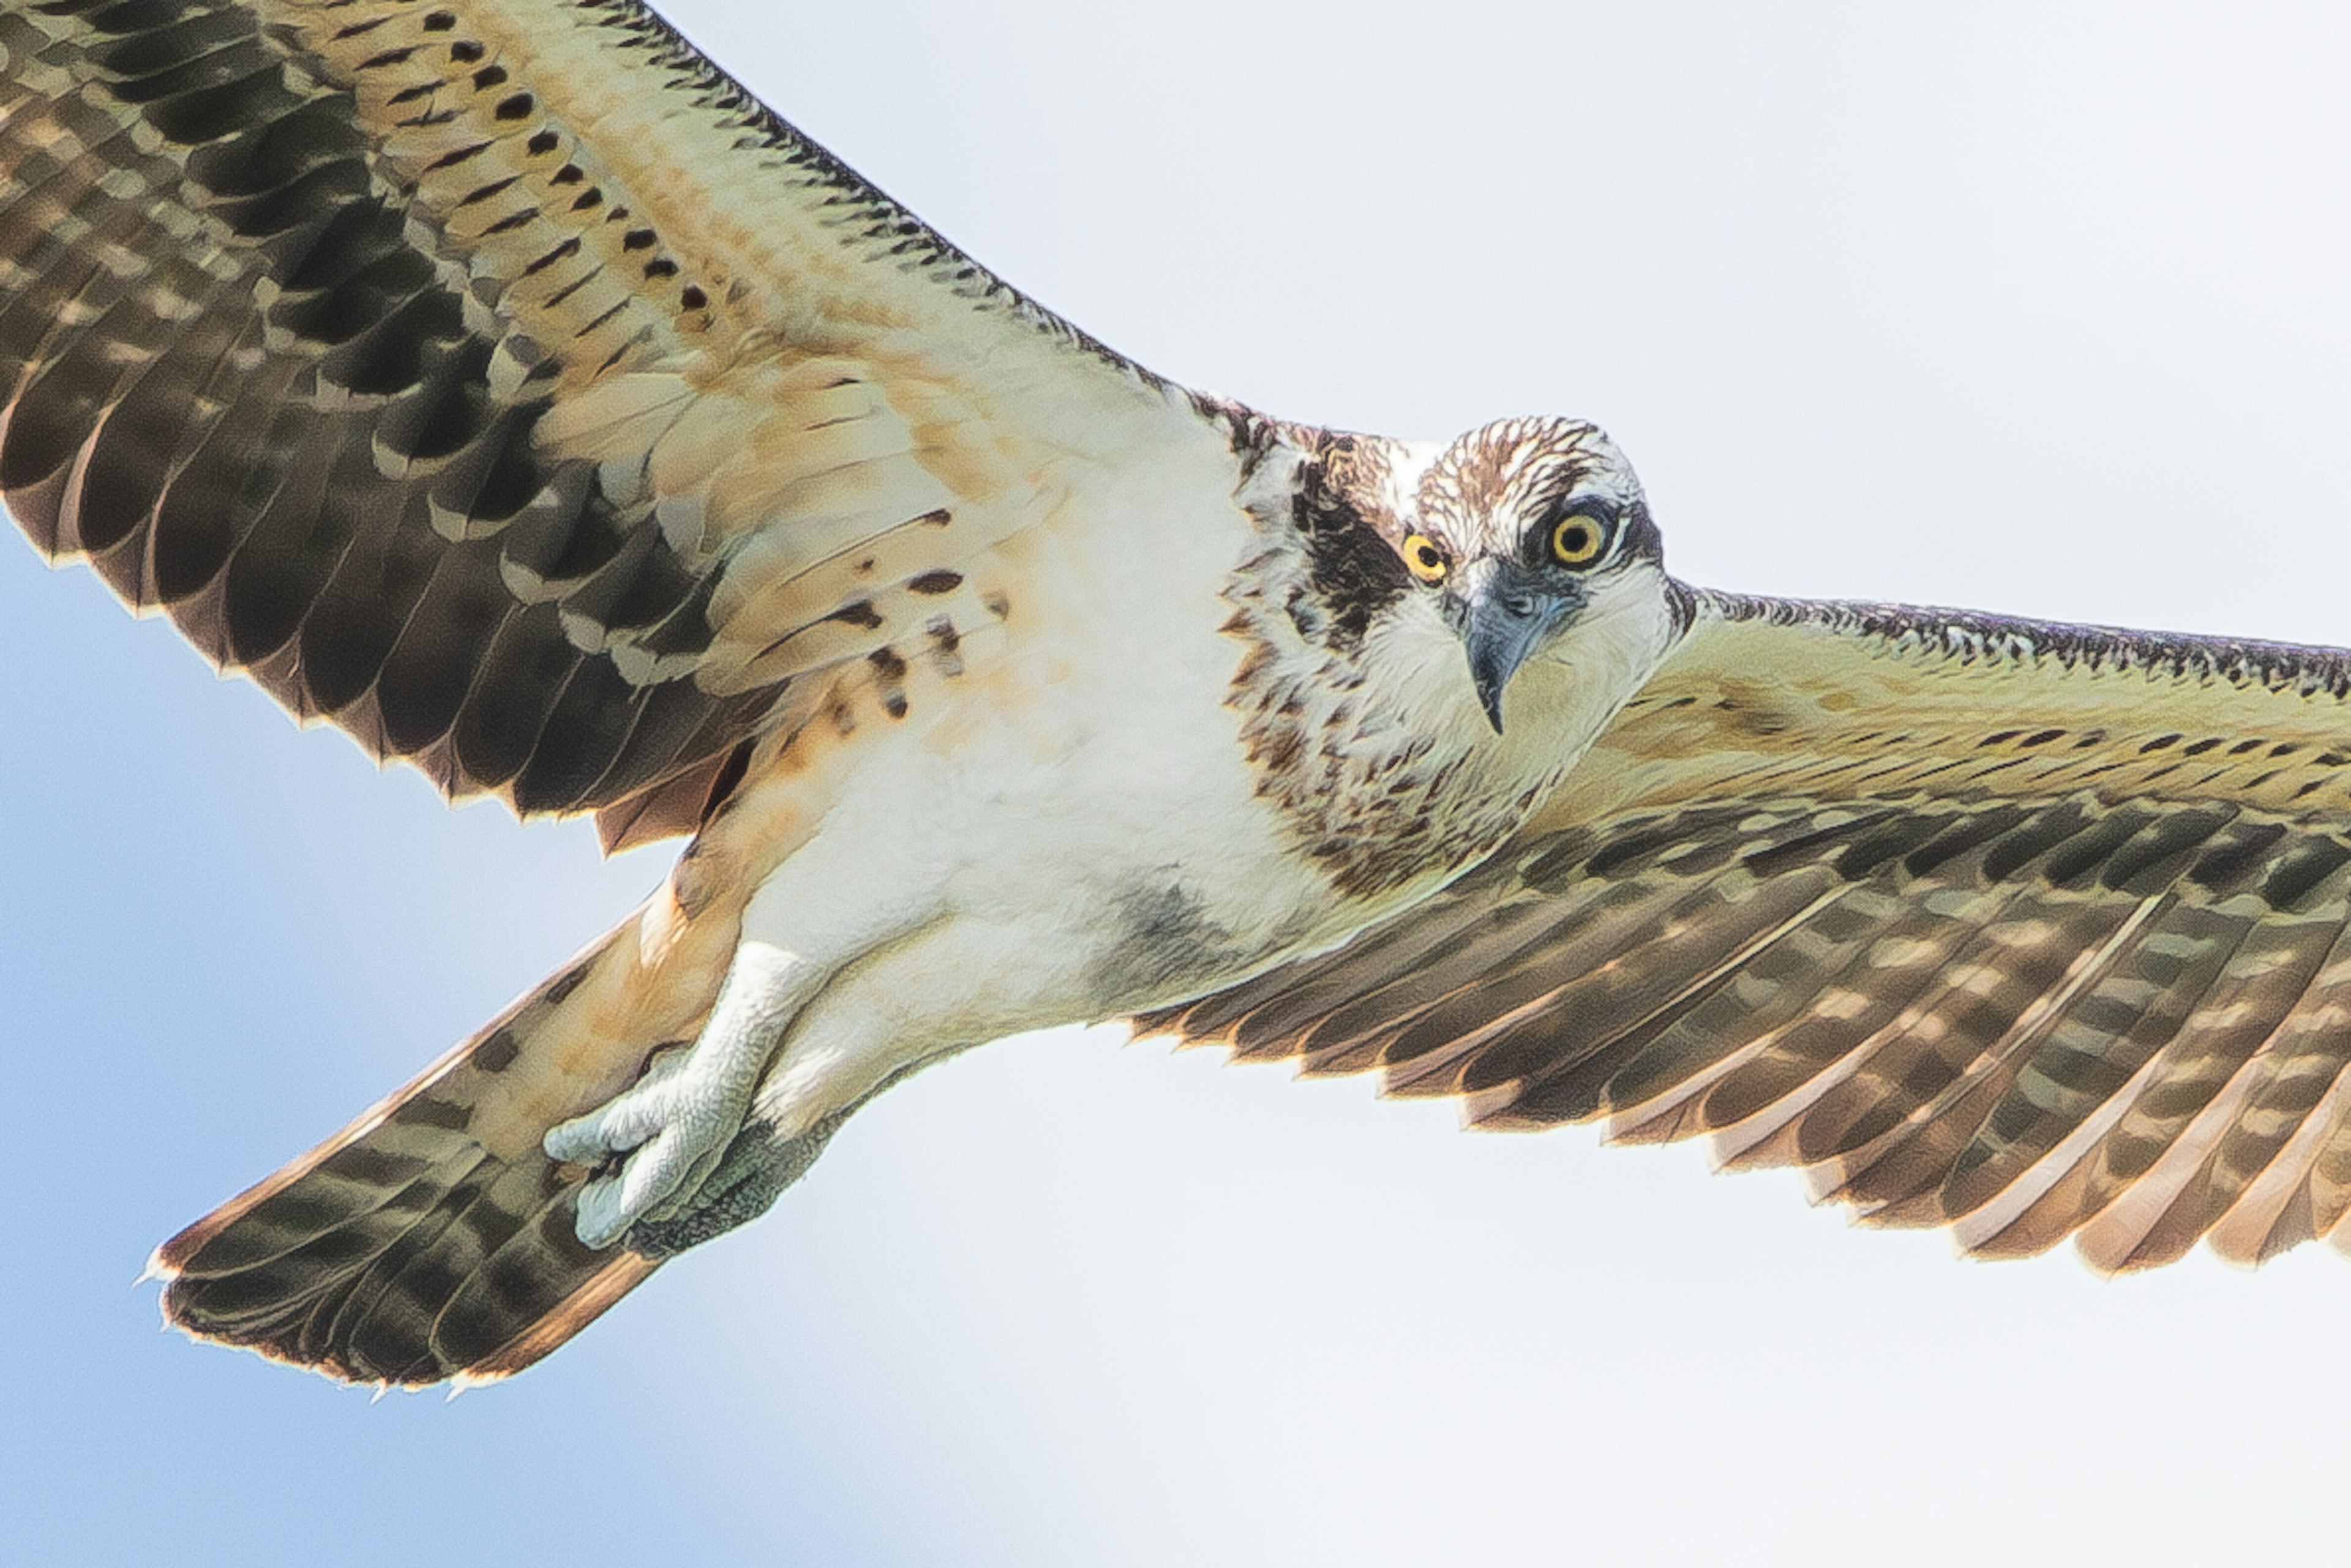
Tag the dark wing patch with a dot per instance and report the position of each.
(2033, 940)
(235, 384)
(499, 382)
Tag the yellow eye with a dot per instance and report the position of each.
(1424, 559)
(1577, 540)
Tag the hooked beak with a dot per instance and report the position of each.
(1501, 617)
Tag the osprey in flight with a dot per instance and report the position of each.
(499, 382)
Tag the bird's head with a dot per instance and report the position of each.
(1527, 531)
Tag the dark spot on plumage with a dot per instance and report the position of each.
(570, 175)
(517, 107)
(859, 613)
(439, 21)
(543, 143)
(636, 239)
(2239, 853)
(497, 1053)
(367, 1166)
(455, 156)
(936, 582)
(2151, 861)
(887, 664)
(946, 645)
(2289, 880)
(489, 76)
(661, 266)
(1352, 570)
(511, 222)
(1277, 751)
(480, 193)
(2199, 747)
(466, 51)
(569, 247)
(601, 318)
(590, 197)
(693, 298)
(426, 1111)
(1163, 942)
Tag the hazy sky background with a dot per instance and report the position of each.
(2039, 308)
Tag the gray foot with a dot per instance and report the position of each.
(657, 1143)
(756, 1167)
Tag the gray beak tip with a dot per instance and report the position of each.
(1502, 621)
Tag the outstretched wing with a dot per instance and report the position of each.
(2030, 930)
(500, 382)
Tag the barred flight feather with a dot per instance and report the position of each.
(431, 1238)
(498, 382)
(2032, 931)
(534, 417)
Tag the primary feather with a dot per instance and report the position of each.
(496, 380)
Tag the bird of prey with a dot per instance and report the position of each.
(496, 380)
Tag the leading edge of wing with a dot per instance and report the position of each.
(498, 381)
(2026, 930)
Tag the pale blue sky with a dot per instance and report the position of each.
(2036, 307)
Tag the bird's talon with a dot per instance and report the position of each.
(650, 1147)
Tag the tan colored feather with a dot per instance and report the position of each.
(431, 1238)
(354, 332)
(2026, 930)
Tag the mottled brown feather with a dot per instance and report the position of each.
(498, 381)
(431, 1239)
(2032, 931)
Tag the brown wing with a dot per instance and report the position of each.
(498, 381)
(2024, 929)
